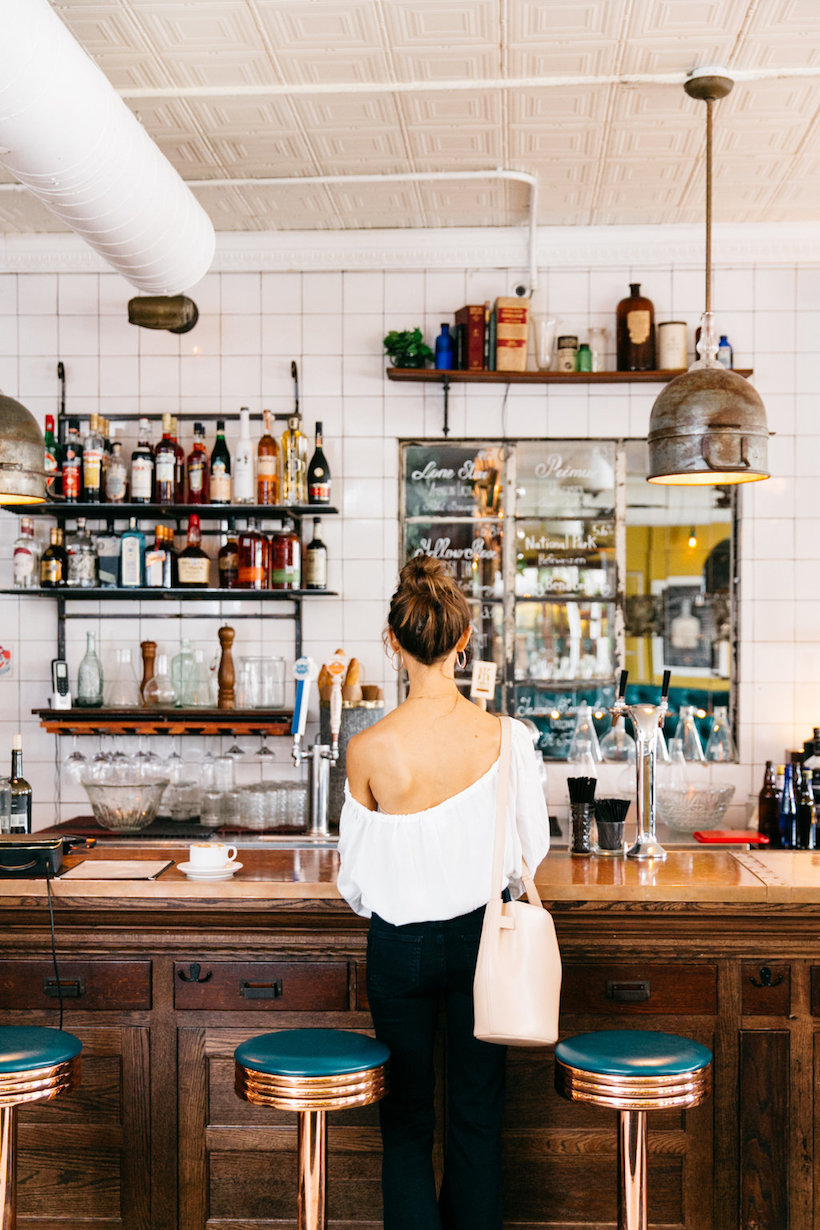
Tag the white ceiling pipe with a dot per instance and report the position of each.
(67, 136)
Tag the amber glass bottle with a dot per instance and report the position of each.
(251, 557)
(768, 805)
(286, 558)
(267, 467)
(193, 564)
(635, 332)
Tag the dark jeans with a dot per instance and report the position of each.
(410, 971)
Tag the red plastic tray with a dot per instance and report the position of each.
(731, 837)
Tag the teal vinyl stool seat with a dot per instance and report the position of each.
(633, 1071)
(36, 1065)
(311, 1071)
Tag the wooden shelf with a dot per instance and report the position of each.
(150, 512)
(434, 376)
(164, 721)
(165, 595)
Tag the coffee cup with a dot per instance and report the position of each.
(210, 855)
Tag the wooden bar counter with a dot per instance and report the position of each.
(163, 978)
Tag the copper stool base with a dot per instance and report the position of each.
(311, 1098)
(17, 1088)
(632, 1097)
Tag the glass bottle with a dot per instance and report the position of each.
(719, 745)
(768, 808)
(82, 558)
(806, 813)
(122, 691)
(197, 468)
(184, 675)
(90, 677)
(193, 564)
(73, 464)
(220, 468)
(635, 332)
(687, 732)
(787, 813)
(444, 349)
(26, 558)
(54, 459)
(684, 629)
(179, 462)
(243, 477)
(617, 745)
(725, 354)
(286, 565)
(167, 467)
(158, 690)
(584, 733)
(20, 790)
(316, 559)
(93, 453)
(318, 477)
(583, 361)
(294, 463)
(132, 556)
(227, 561)
(54, 562)
(116, 475)
(142, 466)
(157, 562)
(267, 467)
(251, 553)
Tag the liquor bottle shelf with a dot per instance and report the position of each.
(205, 512)
(435, 376)
(152, 721)
(164, 595)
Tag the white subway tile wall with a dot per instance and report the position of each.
(252, 324)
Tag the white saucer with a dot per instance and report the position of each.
(209, 874)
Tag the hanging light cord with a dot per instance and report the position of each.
(709, 105)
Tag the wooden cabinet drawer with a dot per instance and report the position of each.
(641, 989)
(284, 986)
(765, 988)
(88, 985)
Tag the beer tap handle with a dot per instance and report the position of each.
(304, 671)
(335, 718)
(622, 685)
(667, 675)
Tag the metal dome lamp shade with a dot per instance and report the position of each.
(708, 426)
(22, 455)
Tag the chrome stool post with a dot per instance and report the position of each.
(311, 1071)
(36, 1065)
(633, 1071)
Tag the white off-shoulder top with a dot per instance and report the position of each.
(435, 864)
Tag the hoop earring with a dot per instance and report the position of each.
(461, 659)
(398, 661)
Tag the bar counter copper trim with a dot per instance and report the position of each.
(685, 1089)
(39, 1084)
(311, 1093)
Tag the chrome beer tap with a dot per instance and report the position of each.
(320, 755)
(646, 722)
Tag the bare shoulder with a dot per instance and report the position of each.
(372, 742)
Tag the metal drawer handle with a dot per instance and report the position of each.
(766, 979)
(628, 992)
(261, 990)
(72, 988)
(194, 971)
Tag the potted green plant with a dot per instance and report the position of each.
(406, 348)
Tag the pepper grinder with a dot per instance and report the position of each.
(149, 653)
(226, 675)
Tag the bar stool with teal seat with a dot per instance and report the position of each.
(36, 1065)
(633, 1071)
(312, 1071)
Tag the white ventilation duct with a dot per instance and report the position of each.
(66, 135)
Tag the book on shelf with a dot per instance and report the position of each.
(512, 329)
(471, 318)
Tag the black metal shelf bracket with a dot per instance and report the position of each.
(445, 380)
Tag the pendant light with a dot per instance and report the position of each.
(708, 426)
(22, 455)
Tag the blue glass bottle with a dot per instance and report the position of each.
(444, 349)
(725, 354)
(788, 811)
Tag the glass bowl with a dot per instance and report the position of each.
(699, 805)
(125, 807)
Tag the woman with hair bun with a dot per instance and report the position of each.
(416, 839)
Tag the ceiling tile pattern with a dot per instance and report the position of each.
(244, 89)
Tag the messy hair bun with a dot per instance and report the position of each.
(428, 611)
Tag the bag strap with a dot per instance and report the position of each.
(501, 823)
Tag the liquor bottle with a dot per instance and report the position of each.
(93, 452)
(82, 558)
(318, 473)
(243, 478)
(227, 561)
(787, 813)
(267, 467)
(316, 559)
(806, 813)
(197, 467)
(73, 464)
(725, 354)
(286, 563)
(444, 349)
(220, 468)
(635, 332)
(160, 560)
(26, 559)
(116, 476)
(179, 463)
(193, 564)
(90, 677)
(54, 562)
(20, 790)
(167, 475)
(294, 463)
(132, 557)
(107, 546)
(768, 808)
(251, 552)
(142, 466)
(54, 459)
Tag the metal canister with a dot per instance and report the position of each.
(566, 353)
(671, 345)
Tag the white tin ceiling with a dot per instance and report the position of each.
(260, 89)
